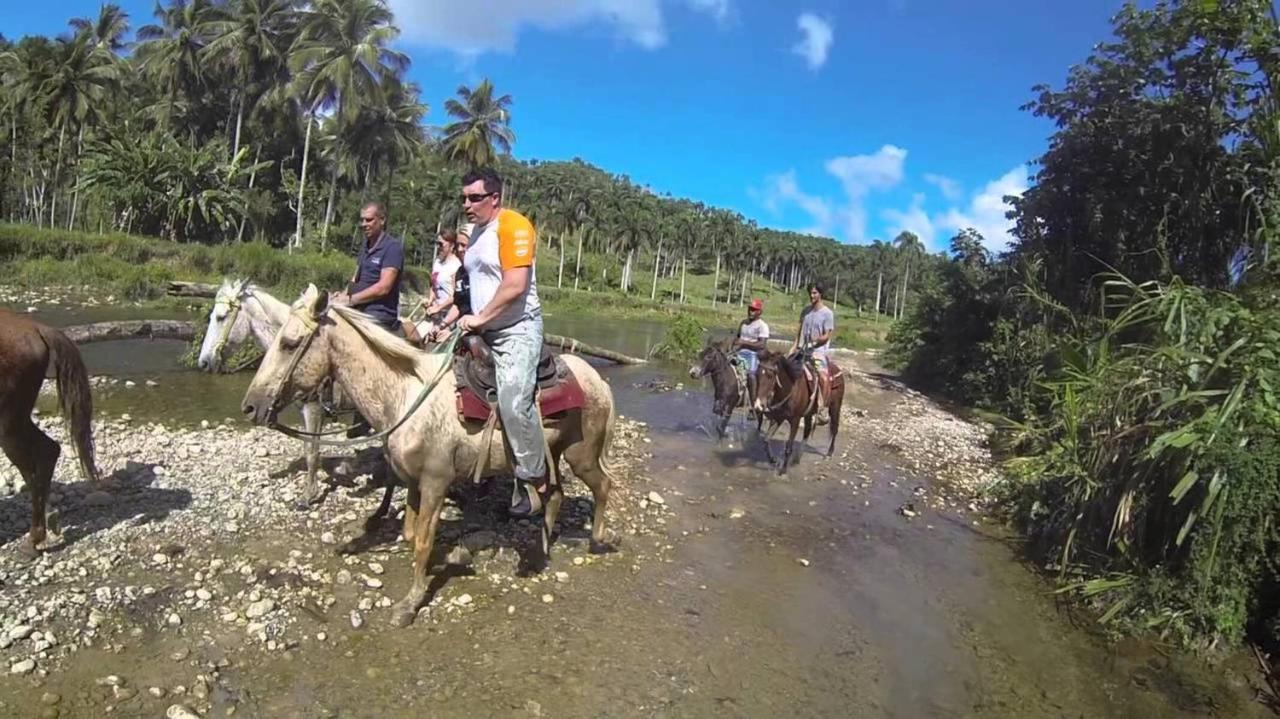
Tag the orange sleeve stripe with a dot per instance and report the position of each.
(516, 240)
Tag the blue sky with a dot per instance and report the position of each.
(850, 120)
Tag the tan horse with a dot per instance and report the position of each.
(27, 349)
(383, 376)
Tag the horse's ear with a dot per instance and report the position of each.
(315, 301)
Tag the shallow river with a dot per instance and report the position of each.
(883, 618)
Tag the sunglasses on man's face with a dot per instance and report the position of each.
(476, 196)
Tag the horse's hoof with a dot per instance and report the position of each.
(597, 547)
(403, 616)
(28, 553)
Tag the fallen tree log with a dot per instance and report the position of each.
(177, 288)
(131, 330)
(569, 344)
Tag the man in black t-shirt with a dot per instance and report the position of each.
(375, 286)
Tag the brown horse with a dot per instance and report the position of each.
(786, 392)
(27, 349)
(730, 389)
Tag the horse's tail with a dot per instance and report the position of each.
(74, 396)
(606, 461)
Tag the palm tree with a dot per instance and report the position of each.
(253, 41)
(909, 247)
(107, 31)
(340, 58)
(75, 94)
(170, 52)
(880, 261)
(482, 121)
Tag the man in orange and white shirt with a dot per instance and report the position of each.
(504, 299)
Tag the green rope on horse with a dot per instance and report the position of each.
(445, 367)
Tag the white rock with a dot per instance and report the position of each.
(22, 631)
(656, 498)
(203, 594)
(462, 600)
(376, 568)
(260, 609)
(562, 576)
(357, 621)
(174, 620)
(177, 711)
(373, 582)
(547, 599)
(23, 667)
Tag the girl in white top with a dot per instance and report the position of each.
(444, 272)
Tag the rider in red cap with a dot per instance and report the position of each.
(753, 335)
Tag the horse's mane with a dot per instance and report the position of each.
(395, 351)
(780, 360)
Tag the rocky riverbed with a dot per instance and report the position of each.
(197, 533)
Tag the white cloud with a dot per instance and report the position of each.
(818, 36)
(784, 189)
(914, 219)
(846, 219)
(471, 29)
(986, 212)
(859, 174)
(718, 9)
(950, 188)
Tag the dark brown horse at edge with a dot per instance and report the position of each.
(29, 350)
(730, 392)
(786, 392)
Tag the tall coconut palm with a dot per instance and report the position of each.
(482, 122)
(170, 52)
(253, 41)
(75, 95)
(340, 59)
(909, 248)
(107, 31)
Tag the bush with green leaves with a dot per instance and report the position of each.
(683, 340)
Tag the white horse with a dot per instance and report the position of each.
(242, 312)
(429, 447)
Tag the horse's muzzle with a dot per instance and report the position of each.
(258, 408)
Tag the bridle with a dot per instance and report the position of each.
(312, 326)
(224, 334)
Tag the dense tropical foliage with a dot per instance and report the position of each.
(271, 121)
(1127, 343)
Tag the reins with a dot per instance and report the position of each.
(313, 328)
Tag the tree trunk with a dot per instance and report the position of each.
(626, 272)
(715, 285)
(836, 300)
(302, 180)
(253, 175)
(131, 329)
(684, 270)
(879, 283)
(75, 194)
(657, 264)
(560, 274)
(577, 267)
(906, 280)
(235, 145)
(57, 174)
(328, 213)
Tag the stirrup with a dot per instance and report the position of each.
(533, 499)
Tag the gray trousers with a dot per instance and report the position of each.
(515, 358)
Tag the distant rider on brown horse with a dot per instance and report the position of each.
(752, 339)
(813, 341)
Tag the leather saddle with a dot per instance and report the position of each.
(473, 370)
